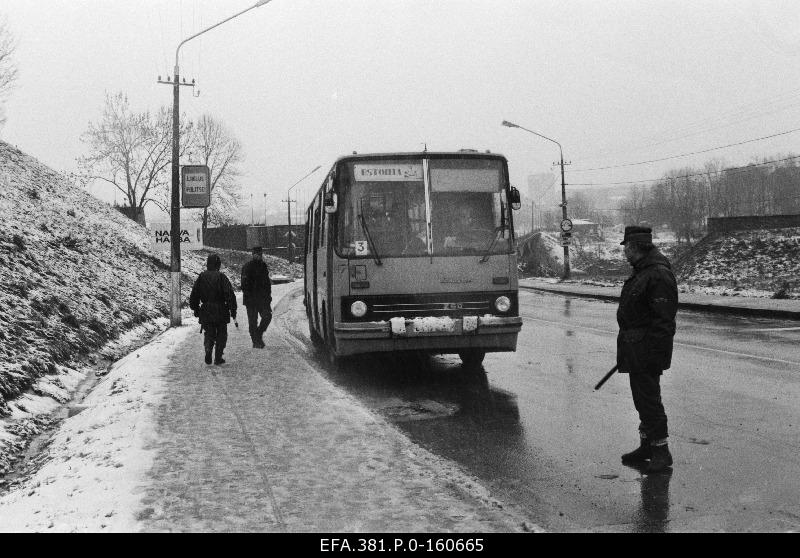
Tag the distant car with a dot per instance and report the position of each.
(278, 278)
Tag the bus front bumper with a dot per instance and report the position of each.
(493, 333)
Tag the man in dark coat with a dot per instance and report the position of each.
(257, 296)
(214, 290)
(646, 318)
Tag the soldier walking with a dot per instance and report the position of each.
(257, 296)
(214, 290)
(646, 318)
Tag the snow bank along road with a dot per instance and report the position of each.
(262, 443)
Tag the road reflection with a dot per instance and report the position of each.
(652, 515)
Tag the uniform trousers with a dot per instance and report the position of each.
(646, 391)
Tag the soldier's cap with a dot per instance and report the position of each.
(256, 249)
(638, 234)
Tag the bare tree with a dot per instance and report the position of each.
(133, 151)
(8, 68)
(217, 148)
(636, 205)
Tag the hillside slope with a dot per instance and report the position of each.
(766, 260)
(76, 273)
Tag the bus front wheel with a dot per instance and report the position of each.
(472, 358)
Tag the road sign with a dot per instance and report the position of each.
(565, 235)
(566, 225)
(195, 186)
(565, 242)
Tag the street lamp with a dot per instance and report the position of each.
(563, 189)
(175, 213)
(289, 210)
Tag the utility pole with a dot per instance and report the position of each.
(175, 202)
(563, 203)
(265, 209)
(251, 209)
(290, 244)
(175, 206)
(564, 213)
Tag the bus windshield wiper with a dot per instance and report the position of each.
(374, 249)
(497, 233)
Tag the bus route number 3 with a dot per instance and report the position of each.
(362, 248)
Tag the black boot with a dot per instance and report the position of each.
(208, 354)
(660, 459)
(218, 357)
(640, 454)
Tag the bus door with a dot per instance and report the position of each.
(321, 262)
(314, 243)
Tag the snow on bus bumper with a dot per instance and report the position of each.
(428, 327)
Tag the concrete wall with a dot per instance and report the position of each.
(749, 222)
(274, 239)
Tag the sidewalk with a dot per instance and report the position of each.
(750, 306)
(261, 443)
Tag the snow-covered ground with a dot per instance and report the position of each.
(757, 263)
(77, 277)
(96, 457)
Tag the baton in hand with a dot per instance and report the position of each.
(606, 377)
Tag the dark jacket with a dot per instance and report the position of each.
(215, 292)
(646, 316)
(256, 286)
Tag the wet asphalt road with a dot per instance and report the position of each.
(532, 428)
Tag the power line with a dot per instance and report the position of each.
(689, 154)
(745, 167)
(743, 113)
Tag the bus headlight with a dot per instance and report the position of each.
(358, 309)
(503, 304)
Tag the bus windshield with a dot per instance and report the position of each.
(384, 208)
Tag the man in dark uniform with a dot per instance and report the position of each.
(257, 296)
(214, 290)
(646, 318)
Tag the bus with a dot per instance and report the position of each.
(413, 252)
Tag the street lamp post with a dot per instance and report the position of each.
(175, 210)
(563, 188)
(289, 210)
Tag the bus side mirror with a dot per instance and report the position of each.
(514, 198)
(331, 202)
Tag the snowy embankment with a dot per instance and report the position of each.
(98, 476)
(757, 263)
(77, 275)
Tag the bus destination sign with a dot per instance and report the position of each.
(387, 172)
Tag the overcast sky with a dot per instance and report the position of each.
(301, 82)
